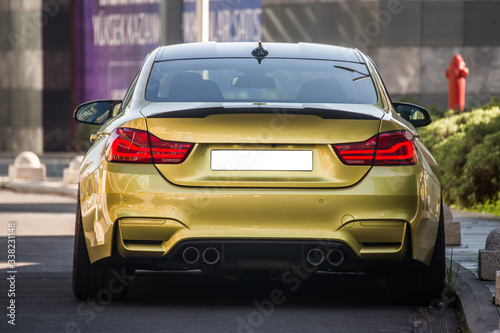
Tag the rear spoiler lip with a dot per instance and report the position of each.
(308, 111)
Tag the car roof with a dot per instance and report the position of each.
(243, 50)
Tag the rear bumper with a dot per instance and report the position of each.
(377, 219)
(160, 238)
(234, 255)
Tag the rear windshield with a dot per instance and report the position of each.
(271, 80)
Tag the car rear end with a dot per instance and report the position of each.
(279, 167)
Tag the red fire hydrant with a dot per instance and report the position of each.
(456, 74)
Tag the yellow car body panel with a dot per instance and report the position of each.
(252, 132)
(385, 208)
(264, 128)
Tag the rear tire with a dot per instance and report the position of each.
(104, 282)
(419, 284)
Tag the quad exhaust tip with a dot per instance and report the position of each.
(335, 257)
(211, 256)
(315, 257)
(191, 255)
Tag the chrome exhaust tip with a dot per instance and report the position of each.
(211, 256)
(315, 257)
(335, 257)
(191, 255)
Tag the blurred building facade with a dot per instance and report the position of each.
(411, 42)
(46, 68)
(35, 75)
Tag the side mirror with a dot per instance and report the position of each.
(414, 114)
(96, 112)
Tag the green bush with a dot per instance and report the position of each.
(482, 170)
(466, 146)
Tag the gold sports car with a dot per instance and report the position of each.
(233, 158)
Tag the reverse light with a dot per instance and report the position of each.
(136, 146)
(389, 149)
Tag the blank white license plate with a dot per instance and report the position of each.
(261, 160)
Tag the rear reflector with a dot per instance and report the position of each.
(390, 148)
(136, 146)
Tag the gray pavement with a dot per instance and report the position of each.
(476, 296)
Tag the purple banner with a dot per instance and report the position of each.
(229, 21)
(112, 39)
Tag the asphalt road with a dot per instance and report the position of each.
(184, 301)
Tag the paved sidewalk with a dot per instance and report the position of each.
(51, 185)
(475, 295)
(55, 164)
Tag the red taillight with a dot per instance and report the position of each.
(360, 153)
(169, 152)
(135, 146)
(129, 145)
(391, 148)
(395, 148)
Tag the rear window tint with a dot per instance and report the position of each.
(271, 80)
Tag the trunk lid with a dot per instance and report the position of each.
(255, 145)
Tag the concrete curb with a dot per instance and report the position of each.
(480, 313)
(50, 186)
